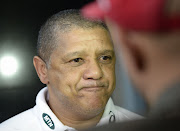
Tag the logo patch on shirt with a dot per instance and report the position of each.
(47, 119)
(112, 118)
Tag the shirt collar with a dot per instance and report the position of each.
(50, 122)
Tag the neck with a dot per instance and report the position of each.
(163, 80)
(79, 124)
(73, 120)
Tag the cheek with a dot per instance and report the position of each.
(109, 69)
(56, 80)
(73, 76)
(69, 80)
(63, 84)
(109, 74)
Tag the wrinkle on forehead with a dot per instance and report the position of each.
(80, 32)
(82, 38)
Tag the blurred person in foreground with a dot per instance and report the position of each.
(77, 63)
(146, 34)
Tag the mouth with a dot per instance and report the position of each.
(93, 86)
(92, 89)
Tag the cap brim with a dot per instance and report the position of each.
(92, 11)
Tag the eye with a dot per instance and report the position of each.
(76, 61)
(105, 59)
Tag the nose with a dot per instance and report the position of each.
(93, 71)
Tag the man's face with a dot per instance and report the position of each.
(81, 73)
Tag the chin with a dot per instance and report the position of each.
(93, 106)
(96, 107)
(92, 112)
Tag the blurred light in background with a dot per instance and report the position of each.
(16, 66)
(8, 65)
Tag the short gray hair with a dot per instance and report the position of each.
(61, 22)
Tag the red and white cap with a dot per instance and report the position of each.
(141, 15)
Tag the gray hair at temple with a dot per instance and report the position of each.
(61, 23)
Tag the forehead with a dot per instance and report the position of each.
(91, 38)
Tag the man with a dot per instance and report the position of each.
(147, 35)
(76, 61)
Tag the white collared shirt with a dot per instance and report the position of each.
(41, 117)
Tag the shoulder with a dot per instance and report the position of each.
(25, 121)
(121, 112)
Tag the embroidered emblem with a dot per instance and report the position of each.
(112, 118)
(47, 119)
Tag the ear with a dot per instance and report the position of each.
(134, 55)
(130, 48)
(41, 69)
(134, 52)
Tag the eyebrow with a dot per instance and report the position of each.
(76, 53)
(106, 52)
(80, 53)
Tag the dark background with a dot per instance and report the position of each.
(20, 22)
